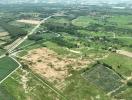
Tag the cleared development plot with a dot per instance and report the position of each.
(34, 22)
(48, 64)
(103, 77)
(7, 65)
(125, 53)
(3, 34)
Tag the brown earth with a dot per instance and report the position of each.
(3, 34)
(34, 22)
(51, 66)
(125, 53)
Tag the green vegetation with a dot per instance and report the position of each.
(78, 88)
(14, 31)
(121, 21)
(120, 63)
(83, 21)
(104, 77)
(35, 89)
(7, 65)
(85, 33)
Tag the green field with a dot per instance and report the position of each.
(83, 38)
(7, 65)
(83, 21)
(121, 21)
(104, 77)
(13, 88)
(120, 63)
(77, 88)
(59, 20)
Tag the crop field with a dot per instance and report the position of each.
(103, 77)
(77, 53)
(7, 65)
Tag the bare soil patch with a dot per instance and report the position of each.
(125, 53)
(34, 22)
(3, 34)
(51, 66)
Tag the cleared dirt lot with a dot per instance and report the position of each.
(3, 34)
(125, 53)
(48, 64)
(33, 22)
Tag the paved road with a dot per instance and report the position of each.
(24, 38)
(21, 40)
(18, 43)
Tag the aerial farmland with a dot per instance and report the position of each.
(51, 51)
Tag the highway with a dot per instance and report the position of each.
(21, 40)
(16, 43)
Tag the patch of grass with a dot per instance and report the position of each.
(59, 20)
(35, 89)
(78, 88)
(88, 33)
(26, 42)
(56, 48)
(120, 63)
(4, 95)
(122, 21)
(83, 21)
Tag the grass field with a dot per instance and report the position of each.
(23, 85)
(2, 51)
(7, 65)
(83, 21)
(122, 21)
(24, 26)
(77, 88)
(4, 95)
(120, 63)
(88, 33)
(59, 20)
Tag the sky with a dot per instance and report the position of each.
(84, 1)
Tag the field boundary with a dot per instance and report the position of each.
(12, 71)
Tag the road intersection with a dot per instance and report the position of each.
(21, 40)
